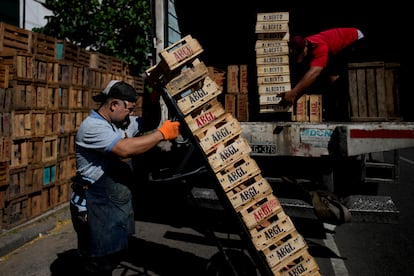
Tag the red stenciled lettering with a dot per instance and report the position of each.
(183, 52)
(205, 119)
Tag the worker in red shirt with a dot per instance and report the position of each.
(321, 54)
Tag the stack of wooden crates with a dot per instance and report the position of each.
(46, 87)
(218, 134)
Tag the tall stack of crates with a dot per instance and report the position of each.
(271, 234)
(46, 87)
(236, 98)
(272, 60)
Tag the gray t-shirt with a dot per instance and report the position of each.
(94, 141)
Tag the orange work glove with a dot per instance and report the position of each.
(169, 129)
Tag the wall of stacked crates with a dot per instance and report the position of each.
(46, 86)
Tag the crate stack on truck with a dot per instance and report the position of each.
(270, 233)
(46, 85)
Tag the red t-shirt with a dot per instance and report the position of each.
(330, 42)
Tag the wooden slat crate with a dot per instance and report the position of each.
(237, 173)
(49, 174)
(63, 192)
(246, 192)
(198, 97)
(65, 71)
(272, 59)
(49, 197)
(279, 252)
(52, 71)
(233, 79)
(99, 61)
(228, 152)
(22, 96)
(40, 93)
(19, 153)
(187, 78)
(260, 210)
(4, 75)
(274, 88)
(35, 150)
(34, 205)
(52, 97)
(271, 79)
(67, 51)
(301, 263)
(4, 172)
(38, 123)
(275, 36)
(6, 95)
(17, 180)
(374, 91)
(43, 45)
(21, 124)
(14, 38)
(5, 149)
(117, 66)
(20, 65)
(49, 148)
(282, 49)
(181, 52)
(204, 115)
(243, 79)
(15, 213)
(84, 57)
(271, 230)
(272, 27)
(242, 107)
(35, 183)
(264, 70)
(272, 16)
(52, 123)
(269, 99)
(219, 131)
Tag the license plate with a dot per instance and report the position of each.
(263, 149)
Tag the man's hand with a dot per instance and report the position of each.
(169, 130)
(288, 98)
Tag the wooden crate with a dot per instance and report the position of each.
(17, 180)
(15, 213)
(272, 59)
(237, 173)
(272, 79)
(99, 61)
(271, 47)
(264, 89)
(19, 153)
(67, 51)
(20, 65)
(228, 152)
(188, 77)
(242, 107)
(260, 210)
(38, 123)
(21, 124)
(34, 204)
(265, 70)
(4, 173)
(300, 263)
(243, 79)
(233, 79)
(14, 38)
(64, 73)
(193, 100)
(52, 123)
(244, 193)
(4, 75)
(374, 91)
(6, 95)
(49, 152)
(204, 115)
(181, 52)
(43, 45)
(272, 27)
(278, 253)
(272, 16)
(219, 131)
(271, 230)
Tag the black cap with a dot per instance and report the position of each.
(117, 90)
